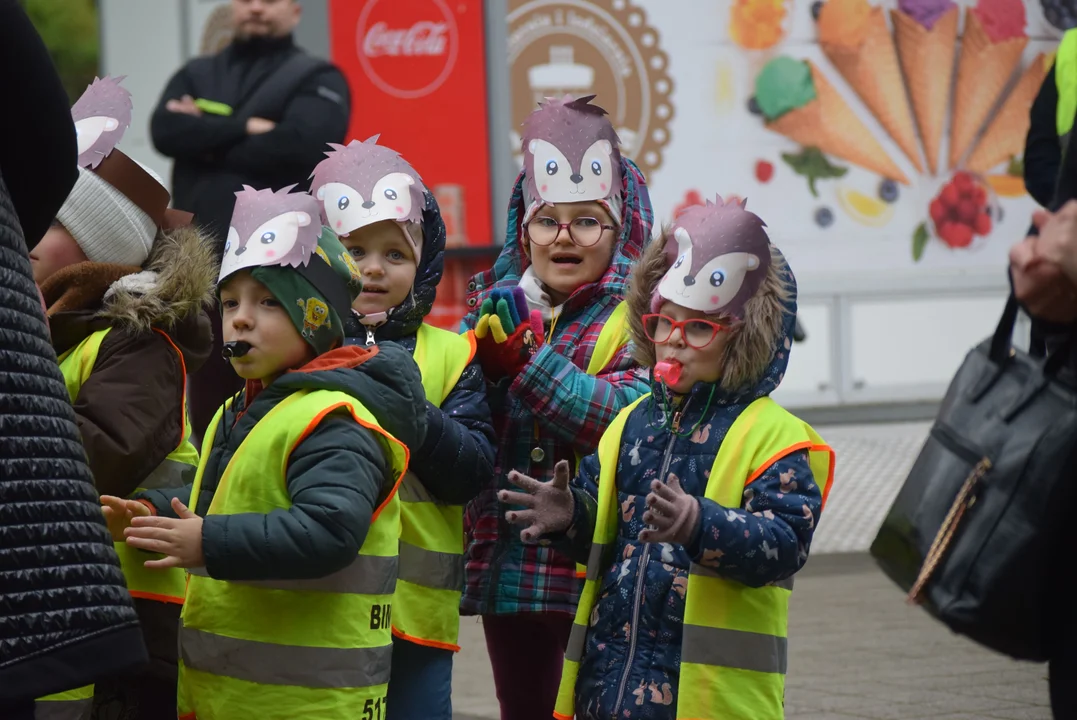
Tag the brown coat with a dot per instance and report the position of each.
(129, 411)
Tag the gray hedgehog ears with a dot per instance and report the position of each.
(101, 116)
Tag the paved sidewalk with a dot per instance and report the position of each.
(856, 649)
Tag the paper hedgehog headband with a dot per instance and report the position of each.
(720, 257)
(281, 228)
(571, 153)
(101, 116)
(362, 183)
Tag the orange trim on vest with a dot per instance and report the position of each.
(183, 395)
(830, 476)
(426, 643)
(557, 715)
(778, 456)
(158, 598)
(374, 429)
(470, 335)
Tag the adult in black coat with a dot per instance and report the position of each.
(66, 618)
(258, 113)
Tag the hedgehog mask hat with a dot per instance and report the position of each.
(719, 256)
(117, 205)
(277, 236)
(363, 183)
(571, 154)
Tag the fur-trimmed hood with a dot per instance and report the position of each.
(170, 292)
(758, 351)
(185, 266)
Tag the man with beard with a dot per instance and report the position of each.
(258, 113)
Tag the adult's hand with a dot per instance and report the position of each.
(185, 105)
(1041, 285)
(1057, 241)
(257, 125)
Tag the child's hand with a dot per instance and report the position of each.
(672, 514)
(119, 512)
(548, 506)
(507, 333)
(180, 540)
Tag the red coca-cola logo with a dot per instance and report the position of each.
(407, 49)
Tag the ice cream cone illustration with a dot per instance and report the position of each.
(854, 37)
(925, 32)
(797, 101)
(1005, 135)
(990, 50)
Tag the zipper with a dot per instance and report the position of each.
(369, 336)
(641, 573)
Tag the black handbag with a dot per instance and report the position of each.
(969, 536)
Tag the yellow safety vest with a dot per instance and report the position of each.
(267, 649)
(1066, 82)
(426, 609)
(177, 470)
(613, 336)
(733, 651)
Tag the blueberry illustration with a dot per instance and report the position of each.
(888, 191)
(753, 106)
(1060, 13)
(815, 8)
(824, 217)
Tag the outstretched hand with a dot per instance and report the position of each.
(179, 540)
(672, 514)
(119, 512)
(548, 506)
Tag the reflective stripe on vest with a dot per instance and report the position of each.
(68, 705)
(177, 470)
(734, 647)
(1066, 83)
(426, 609)
(317, 648)
(613, 336)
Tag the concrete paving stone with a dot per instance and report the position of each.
(1031, 713)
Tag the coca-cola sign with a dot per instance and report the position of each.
(407, 49)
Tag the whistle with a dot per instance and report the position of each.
(235, 349)
(668, 371)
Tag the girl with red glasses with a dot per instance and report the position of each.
(700, 504)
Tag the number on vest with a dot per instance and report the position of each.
(381, 616)
(374, 709)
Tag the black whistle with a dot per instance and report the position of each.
(235, 349)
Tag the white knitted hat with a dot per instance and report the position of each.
(107, 225)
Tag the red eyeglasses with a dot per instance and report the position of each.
(697, 332)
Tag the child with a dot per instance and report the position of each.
(125, 338)
(398, 244)
(291, 536)
(578, 217)
(701, 501)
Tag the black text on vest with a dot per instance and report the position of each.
(381, 616)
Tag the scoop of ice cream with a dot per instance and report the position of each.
(1002, 19)
(925, 12)
(756, 24)
(844, 22)
(783, 85)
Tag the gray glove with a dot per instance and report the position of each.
(672, 514)
(548, 506)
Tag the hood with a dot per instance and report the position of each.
(169, 293)
(405, 319)
(758, 351)
(370, 375)
(637, 220)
